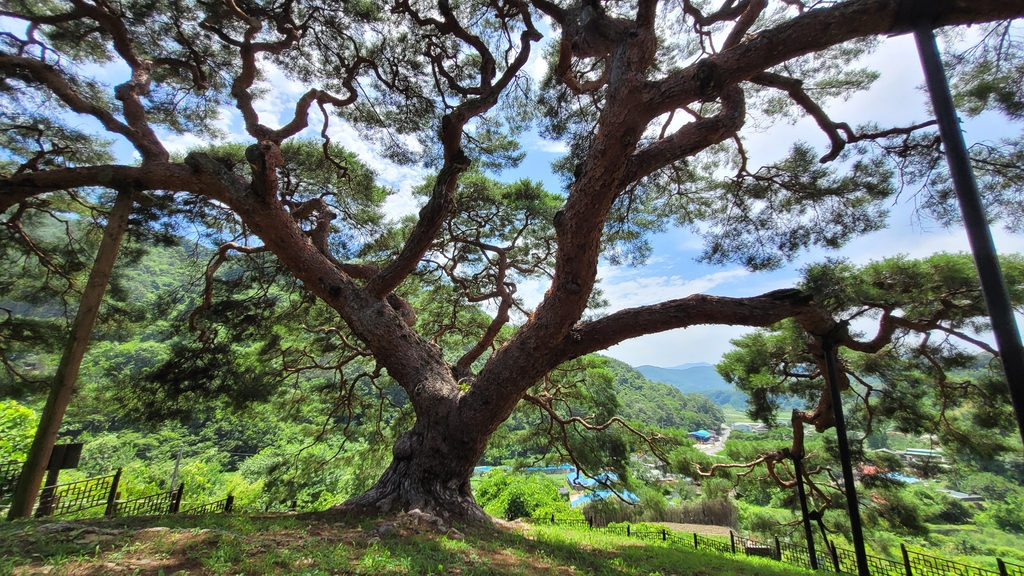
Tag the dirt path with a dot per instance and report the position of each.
(698, 528)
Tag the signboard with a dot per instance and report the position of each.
(64, 456)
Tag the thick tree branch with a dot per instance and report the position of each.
(699, 309)
(35, 71)
(431, 218)
(808, 32)
(154, 176)
(129, 93)
(745, 21)
(689, 138)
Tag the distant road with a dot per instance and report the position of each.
(716, 447)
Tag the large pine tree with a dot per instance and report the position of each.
(651, 98)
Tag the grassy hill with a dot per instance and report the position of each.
(321, 545)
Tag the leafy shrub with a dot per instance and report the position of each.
(17, 427)
(512, 496)
(1007, 515)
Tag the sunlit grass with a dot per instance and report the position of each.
(318, 545)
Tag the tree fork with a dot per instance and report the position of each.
(27, 488)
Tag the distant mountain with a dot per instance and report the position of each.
(689, 365)
(700, 378)
(661, 404)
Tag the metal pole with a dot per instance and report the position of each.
(993, 285)
(844, 457)
(798, 465)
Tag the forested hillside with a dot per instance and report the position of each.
(659, 404)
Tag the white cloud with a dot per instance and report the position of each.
(675, 347)
(645, 290)
(549, 146)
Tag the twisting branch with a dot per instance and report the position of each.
(290, 33)
(689, 138)
(544, 402)
(754, 9)
(794, 87)
(216, 261)
(129, 93)
(31, 70)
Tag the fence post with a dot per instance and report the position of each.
(906, 559)
(627, 530)
(732, 541)
(590, 522)
(112, 496)
(695, 541)
(835, 555)
(229, 504)
(664, 536)
(1002, 567)
(778, 549)
(176, 503)
(552, 519)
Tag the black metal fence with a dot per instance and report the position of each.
(64, 499)
(159, 503)
(9, 472)
(834, 559)
(1010, 569)
(226, 505)
(83, 496)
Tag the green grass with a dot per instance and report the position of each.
(320, 545)
(733, 415)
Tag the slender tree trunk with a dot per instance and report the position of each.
(32, 472)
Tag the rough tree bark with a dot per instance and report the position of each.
(27, 488)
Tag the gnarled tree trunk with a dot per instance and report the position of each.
(430, 471)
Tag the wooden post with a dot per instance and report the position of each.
(906, 560)
(46, 500)
(63, 384)
(778, 549)
(1002, 567)
(112, 496)
(627, 530)
(176, 503)
(694, 540)
(229, 504)
(835, 555)
(664, 535)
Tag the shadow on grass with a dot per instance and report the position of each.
(314, 544)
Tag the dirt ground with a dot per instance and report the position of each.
(698, 528)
